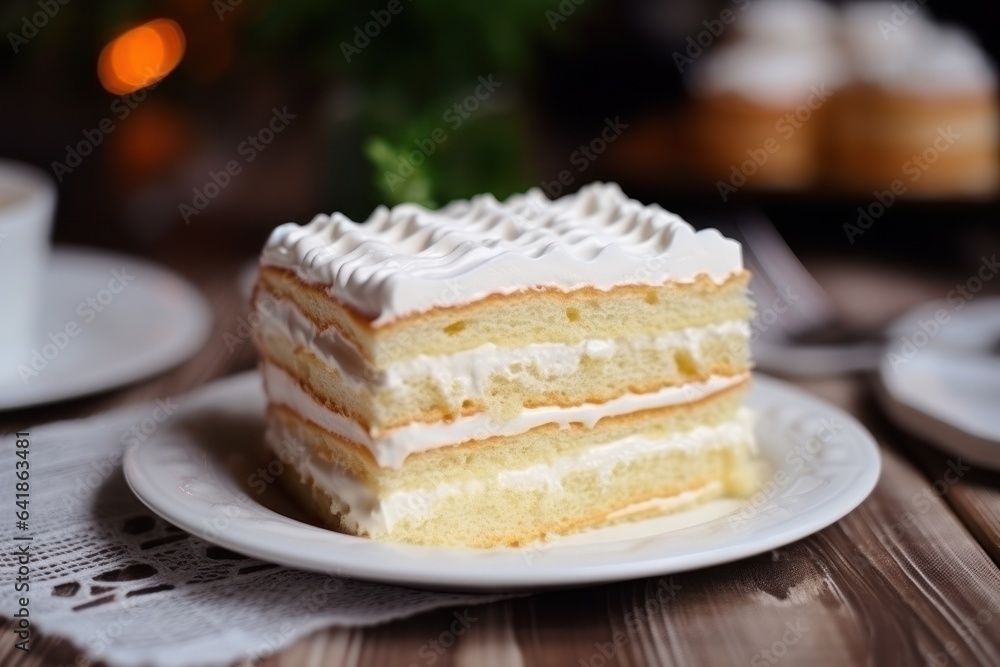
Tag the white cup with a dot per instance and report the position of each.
(27, 207)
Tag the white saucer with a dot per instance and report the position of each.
(154, 321)
(944, 386)
(198, 473)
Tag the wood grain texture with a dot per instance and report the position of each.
(908, 578)
(974, 497)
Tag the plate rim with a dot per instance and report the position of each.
(418, 574)
(16, 396)
(932, 427)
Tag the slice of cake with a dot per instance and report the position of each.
(495, 372)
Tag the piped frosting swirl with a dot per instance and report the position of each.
(408, 259)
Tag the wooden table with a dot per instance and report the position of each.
(909, 578)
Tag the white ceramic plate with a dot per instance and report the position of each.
(144, 322)
(201, 472)
(940, 377)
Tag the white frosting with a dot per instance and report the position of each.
(467, 374)
(792, 22)
(392, 447)
(911, 54)
(408, 259)
(784, 51)
(769, 73)
(786, 47)
(379, 515)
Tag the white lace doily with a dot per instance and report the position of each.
(128, 588)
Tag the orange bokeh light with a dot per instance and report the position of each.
(141, 56)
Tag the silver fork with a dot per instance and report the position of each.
(779, 276)
(798, 328)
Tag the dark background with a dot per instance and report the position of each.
(243, 59)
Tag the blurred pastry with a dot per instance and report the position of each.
(759, 100)
(920, 115)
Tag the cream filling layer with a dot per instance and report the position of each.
(468, 374)
(390, 448)
(378, 515)
(670, 503)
